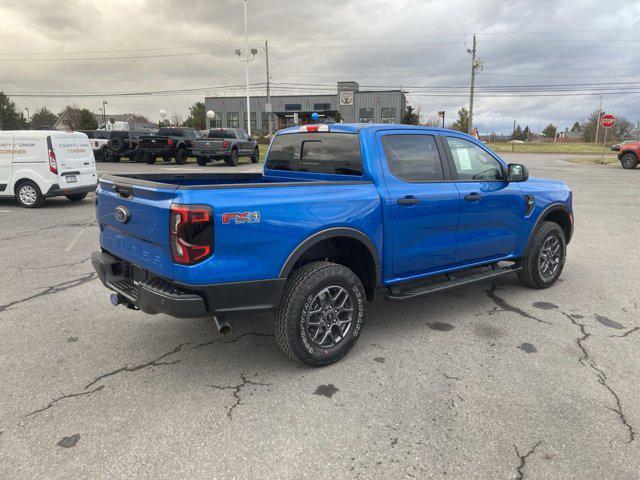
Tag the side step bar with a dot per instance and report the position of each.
(398, 294)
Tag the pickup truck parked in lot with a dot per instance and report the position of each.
(124, 143)
(225, 144)
(169, 142)
(339, 212)
(629, 155)
(99, 140)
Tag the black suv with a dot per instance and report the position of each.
(169, 142)
(124, 143)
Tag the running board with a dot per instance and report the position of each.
(398, 294)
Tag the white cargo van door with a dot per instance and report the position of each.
(6, 162)
(74, 166)
(30, 159)
(87, 160)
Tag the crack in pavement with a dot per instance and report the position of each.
(523, 459)
(76, 223)
(505, 306)
(627, 333)
(21, 269)
(236, 392)
(60, 287)
(586, 360)
(232, 340)
(156, 362)
(57, 399)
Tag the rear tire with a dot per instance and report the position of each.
(76, 197)
(629, 161)
(181, 156)
(318, 298)
(28, 195)
(232, 160)
(255, 158)
(202, 161)
(543, 263)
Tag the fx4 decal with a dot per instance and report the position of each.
(241, 217)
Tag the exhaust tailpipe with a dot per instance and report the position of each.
(222, 325)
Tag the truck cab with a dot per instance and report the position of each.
(339, 212)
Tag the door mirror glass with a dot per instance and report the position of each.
(518, 173)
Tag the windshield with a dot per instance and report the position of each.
(333, 153)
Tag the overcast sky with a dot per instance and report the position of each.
(105, 47)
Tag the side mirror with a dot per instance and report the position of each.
(518, 173)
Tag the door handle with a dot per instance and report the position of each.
(408, 200)
(473, 197)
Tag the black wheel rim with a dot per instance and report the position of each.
(628, 161)
(330, 316)
(550, 257)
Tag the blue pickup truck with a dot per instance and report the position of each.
(340, 212)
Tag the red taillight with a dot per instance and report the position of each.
(225, 144)
(314, 128)
(190, 233)
(169, 142)
(53, 164)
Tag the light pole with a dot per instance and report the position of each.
(211, 115)
(246, 61)
(26, 109)
(104, 114)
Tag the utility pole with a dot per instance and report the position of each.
(269, 114)
(474, 68)
(246, 67)
(513, 137)
(595, 140)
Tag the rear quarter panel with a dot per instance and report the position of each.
(288, 216)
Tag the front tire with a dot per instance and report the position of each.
(181, 156)
(76, 197)
(321, 313)
(629, 161)
(255, 158)
(28, 195)
(202, 161)
(543, 263)
(151, 159)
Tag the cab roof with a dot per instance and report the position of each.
(357, 127)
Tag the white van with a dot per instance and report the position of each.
(35, 164)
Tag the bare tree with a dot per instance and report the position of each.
(176, 119)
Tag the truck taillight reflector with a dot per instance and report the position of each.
(53, 164)
(225, 144)
(190, 233)
(169, 142)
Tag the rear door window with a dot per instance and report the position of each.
(413, 158)
(331, 153)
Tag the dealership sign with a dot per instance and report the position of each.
(346, 97)
(608, 120)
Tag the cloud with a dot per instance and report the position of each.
(414, 44)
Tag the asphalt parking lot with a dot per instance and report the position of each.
(492, 380)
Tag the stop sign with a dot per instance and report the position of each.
(608, 120)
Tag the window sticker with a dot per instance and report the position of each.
(464, 162)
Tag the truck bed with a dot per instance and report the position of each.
(194, 181)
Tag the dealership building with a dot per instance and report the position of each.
(349, 104)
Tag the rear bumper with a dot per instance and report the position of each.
(56, 191)
(157, 295)
(210, 153)
(156, 151)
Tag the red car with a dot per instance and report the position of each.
(629, 154)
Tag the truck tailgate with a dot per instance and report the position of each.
(134, 224)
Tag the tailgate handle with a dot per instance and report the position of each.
(123, 191)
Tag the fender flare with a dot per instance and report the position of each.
(318, 237)
(551, 208)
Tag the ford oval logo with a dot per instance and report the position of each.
(122, 214)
